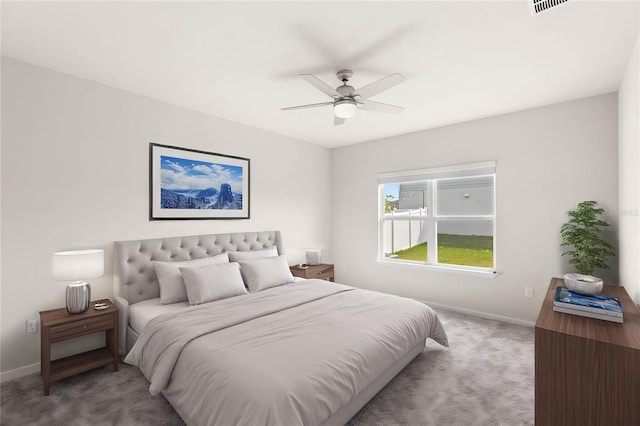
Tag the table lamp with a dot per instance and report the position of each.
(313, 256)
(76, 266)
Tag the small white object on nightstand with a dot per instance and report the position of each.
(583, 284)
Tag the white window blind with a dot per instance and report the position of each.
(473, 169)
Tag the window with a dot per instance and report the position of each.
(442, 216)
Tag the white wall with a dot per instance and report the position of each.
(75, 174)
(629, 176)
(548, 160)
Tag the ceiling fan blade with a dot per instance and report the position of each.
(320, 85)
(379, 107)
(338, 121)
(306, 106)
(378, 86)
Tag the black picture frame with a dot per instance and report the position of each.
(190, 184)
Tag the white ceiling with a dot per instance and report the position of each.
(240, 60)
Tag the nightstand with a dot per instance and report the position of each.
(57, 325)
(323, 271)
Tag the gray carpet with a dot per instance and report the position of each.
(484, 378)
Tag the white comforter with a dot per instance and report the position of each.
(289, 355)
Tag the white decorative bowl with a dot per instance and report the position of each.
(583, 284)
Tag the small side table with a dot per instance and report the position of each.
(323, 271)
(57, 325)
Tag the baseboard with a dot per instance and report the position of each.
(481, 314)
(5, 376)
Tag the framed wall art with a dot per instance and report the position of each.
(192, 184)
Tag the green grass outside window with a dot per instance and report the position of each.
(468, 250)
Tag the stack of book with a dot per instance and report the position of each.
(600, 307)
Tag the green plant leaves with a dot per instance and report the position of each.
(582, 232)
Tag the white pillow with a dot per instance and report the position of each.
(212, 282)
(239, 256)
(170, 279)
(265, 273)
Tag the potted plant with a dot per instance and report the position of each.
(582, 233)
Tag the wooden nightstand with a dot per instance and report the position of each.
(57, 325)
(323, 271)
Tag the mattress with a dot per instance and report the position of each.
(293, 355)
(142, 312)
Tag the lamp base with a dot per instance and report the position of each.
(78, 297)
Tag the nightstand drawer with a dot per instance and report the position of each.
(321, 274)
(81, 327)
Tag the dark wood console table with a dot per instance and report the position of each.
(587, 371)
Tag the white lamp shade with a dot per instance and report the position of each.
(75, 265)
(344, 108)
(314, 256)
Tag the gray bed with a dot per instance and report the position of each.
(288, 340)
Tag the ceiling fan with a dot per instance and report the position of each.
(346, 99)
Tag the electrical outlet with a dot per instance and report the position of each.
(32, 325)
(528, 292)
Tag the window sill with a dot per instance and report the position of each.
(441, 268)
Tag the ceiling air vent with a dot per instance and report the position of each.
(539, 6)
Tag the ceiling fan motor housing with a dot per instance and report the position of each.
(345, 90)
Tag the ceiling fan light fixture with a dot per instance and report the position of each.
(346, 101)
(344, 108)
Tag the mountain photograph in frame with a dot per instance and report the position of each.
(192, 184)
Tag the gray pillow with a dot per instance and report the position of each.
(239, 256)
(170, 279)
(212, 282)
(265, 273)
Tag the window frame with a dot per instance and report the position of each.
(432, 217)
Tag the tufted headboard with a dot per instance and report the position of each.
(134, 278)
